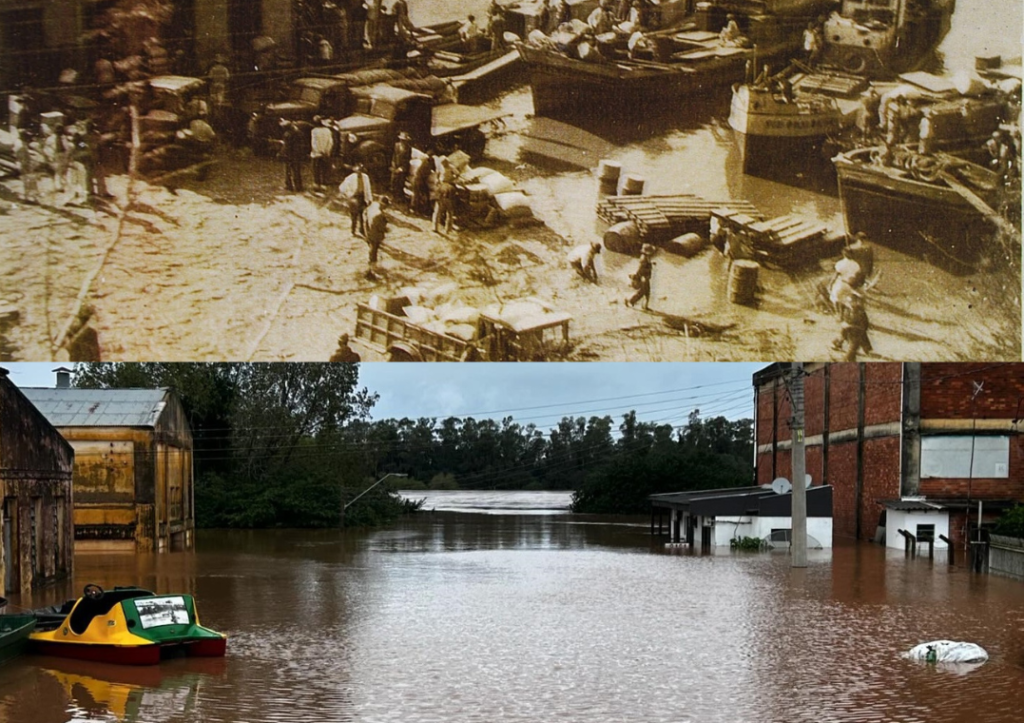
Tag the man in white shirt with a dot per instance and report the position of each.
(356, 191)
(582, 259)
(469, 32)
(322, 145)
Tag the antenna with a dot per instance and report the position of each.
(781, 486)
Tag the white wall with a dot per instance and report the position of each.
(727, 528)
(896, 520)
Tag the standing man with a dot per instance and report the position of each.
(322, 142)
(641, 279)
(400, 160)
(344, 352)
(812, 43)
(583, 260)
(25, 153)
(219, 77)
(292, 152)
(357, 24)
(469, 33)
(358, 195)
(420, 201)
(376, 227)
(444, 202)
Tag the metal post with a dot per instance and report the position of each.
(345, 505)
(799, 506)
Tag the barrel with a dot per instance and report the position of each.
(622, 238)
(743, 282)
(608, 170)
(687, 245)
(632, 185)
(608, 188)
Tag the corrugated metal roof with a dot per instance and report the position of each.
(98, 407)
(911, 505)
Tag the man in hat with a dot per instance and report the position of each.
(344, 352)
(322, 145)
(641, 278)
(376, 227)
(444, 197)
(854, 327)
(400, 160)
(293, 149)
(420, 187)
(583, 258)
(356, 191)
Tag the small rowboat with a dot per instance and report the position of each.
(14, 632)
(126, 625)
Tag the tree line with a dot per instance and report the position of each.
(283, 444)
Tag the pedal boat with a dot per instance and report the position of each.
(127, 626)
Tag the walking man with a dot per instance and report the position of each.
(641, 278)
(292, 151)
(854, 327)
(358, 195)
(583, 260)
(376, 227)
(322, 144)
(344, 352)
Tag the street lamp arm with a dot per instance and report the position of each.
(389, 474)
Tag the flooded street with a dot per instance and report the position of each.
(232, 267)
(501, 606)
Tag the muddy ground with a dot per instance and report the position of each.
(234, 268)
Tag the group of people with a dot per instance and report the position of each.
(336, 28)
(583, 260)
(66, 155)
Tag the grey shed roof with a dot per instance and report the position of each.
(99, 407)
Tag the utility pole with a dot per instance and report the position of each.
(798, 532)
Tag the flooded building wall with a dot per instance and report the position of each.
(133, 482)
(885, 431)
(35, 496)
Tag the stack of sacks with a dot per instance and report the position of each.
(439, 311)
(522, 313)
(512, 202)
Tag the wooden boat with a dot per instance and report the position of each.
(773, 127)
(880, 38)
(14, 632)
(938, 206)
(688, 60)
(126, 625)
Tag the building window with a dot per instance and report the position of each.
(950, 457)
(926, 533)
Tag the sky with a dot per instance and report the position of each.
(540, 393)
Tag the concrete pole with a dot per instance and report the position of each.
(799, 507)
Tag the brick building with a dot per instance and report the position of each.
(913, 446)
(133, 476)
(35, 495)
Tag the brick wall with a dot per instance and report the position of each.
(844, 380)
(842, 475)
(883, 387)
(881, 480)
(946, 391)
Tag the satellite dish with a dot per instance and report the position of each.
(781, 486)
(807, 481)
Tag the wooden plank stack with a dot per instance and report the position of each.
(659, 218)
(833, 84)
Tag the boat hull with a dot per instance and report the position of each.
(14, 632)
(131, 655)
(914, 217)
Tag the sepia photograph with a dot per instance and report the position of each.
(506, 180)
(782, 542)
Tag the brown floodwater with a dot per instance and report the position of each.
(502, 607)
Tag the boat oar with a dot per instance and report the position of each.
(977, 202)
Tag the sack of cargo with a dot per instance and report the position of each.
(497, 183)
(514, 204)
(461, 315)
(465, 332)
(459, 161)
(472, 175)
(417, 314)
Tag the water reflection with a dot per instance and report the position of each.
(478, 616)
